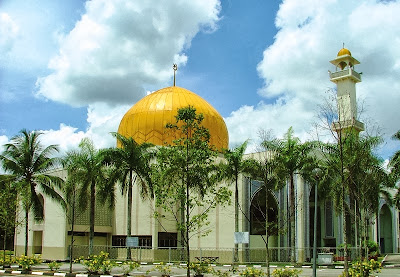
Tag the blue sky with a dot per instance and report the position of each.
(73, 68)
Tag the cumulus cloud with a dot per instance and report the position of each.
(8, 33)
(120, 47)
(294, 68)
(102, 120)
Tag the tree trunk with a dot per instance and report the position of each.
(129, 221)
(346, 261)
(4, 244)
(266, 232)
(71, 251)
(26, 231)
(92, 216)
(187, 211)
(292, 222)
(236, 255)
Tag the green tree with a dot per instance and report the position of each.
(262, 167)
(394, 166)
(186, 173)
(293, 157)
(231, 169)
(357, 180)
(87, 171)
(368, 180)
(8, 212)
(130, 164)
(28, 164)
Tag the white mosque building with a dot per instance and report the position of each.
(145, 122)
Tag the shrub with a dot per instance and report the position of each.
(222, 273)
(363, 268)
(54, 265)
(286, 272)
(8, 260)
(163, 269)
(26, 262)
(200, 268)
(128, 267)
(96, 264)
(252, 272)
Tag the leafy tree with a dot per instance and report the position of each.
(29, 164)
(357, 180)
(262, 167)
(8, 211)
(293, 157)
(87, 171)
(394, 166)
(334, 157)
(130, 164)
(368, 180)
(234, 166)
(186, 177)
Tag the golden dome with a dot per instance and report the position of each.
(344, 51)
(145, 121)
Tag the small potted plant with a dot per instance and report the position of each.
(325, 257)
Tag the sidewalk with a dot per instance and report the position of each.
(177, 271)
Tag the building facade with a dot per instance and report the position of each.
(154, 239)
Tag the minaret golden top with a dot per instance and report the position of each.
(175, 68)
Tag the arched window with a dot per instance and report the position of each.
(39, 213)
(258, 212)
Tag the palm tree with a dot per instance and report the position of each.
(293, 157)
(368, 180)
(29, 164)
(70, 163)
(352, 169)
(86, 169)
(264, 168)
(235, 165)
(394, 166)
(131, 163)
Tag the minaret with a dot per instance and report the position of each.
(345, 77)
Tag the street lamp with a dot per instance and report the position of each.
(317, 174)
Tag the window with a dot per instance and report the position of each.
(166, 239)
(118, 240)
(257, 213)
(328, 219)
(144, 241)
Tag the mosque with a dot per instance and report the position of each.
(145, 122)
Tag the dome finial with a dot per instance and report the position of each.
(175, 68)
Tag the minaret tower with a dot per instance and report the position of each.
(345, 77)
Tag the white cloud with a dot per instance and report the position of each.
(3, 140)
(8, 34)
(294, 67)
(102, 120)
(67, 138)
(120, 47)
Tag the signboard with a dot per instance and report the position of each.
(132, 241)
(241, 237)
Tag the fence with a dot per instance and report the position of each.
(213, 255)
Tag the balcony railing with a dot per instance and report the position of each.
(348, 72)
